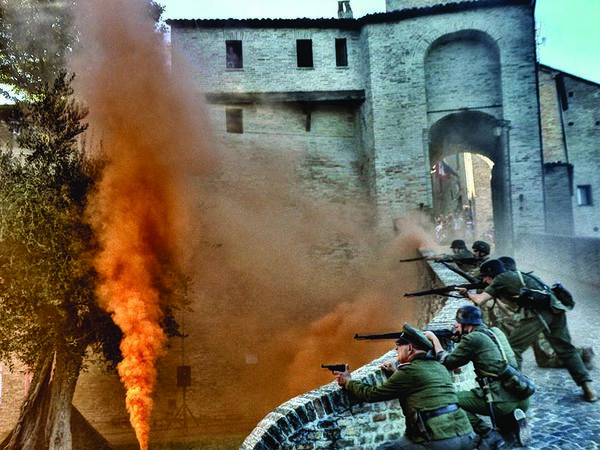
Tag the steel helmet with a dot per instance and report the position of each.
(469, 315)
(482, 246)
(491, 268)
(458, 243)
(508, 262)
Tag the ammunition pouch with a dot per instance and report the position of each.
(563, 296)
(514, 382)
(533, 298)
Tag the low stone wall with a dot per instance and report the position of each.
(327, 417)
(574, 257)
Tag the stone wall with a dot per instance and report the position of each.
(328, 418)
(572, 257)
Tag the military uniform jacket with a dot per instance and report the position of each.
(480, 349)
(506, 287)
(422, 384)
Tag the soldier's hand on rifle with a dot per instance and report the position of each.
(342, 377)
(463, 292)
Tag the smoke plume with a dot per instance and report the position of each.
(139, 212)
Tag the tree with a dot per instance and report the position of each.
(49, 315)
(37, 37)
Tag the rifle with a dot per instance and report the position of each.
(447, 289)
(470, 278)
(440, 333)
(334, 367)
(418, 258)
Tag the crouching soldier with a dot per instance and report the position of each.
(426, 393)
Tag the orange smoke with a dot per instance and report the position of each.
(139, 212)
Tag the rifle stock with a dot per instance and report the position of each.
(446, 290)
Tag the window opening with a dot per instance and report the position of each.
(234, 58)
(584, 195)
(304, 52)
(341, 53)
(234, 120)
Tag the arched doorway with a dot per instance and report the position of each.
(468, 154)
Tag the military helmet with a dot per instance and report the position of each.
(491, 268)
(482, 246)
(458, 243)
(469, 315)
(410, 335)
(508, 262)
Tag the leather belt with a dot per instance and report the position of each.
(438, 412)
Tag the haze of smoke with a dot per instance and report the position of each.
(282, 281)
(140, 210)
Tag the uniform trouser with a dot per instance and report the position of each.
(526, 333)
(476, 406)
(466, 442)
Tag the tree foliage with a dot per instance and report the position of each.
(36, 39)
(48, 280)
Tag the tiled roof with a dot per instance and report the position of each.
(344, 23)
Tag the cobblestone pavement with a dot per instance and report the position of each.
(558, 415)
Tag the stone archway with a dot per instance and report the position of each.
(473, 133)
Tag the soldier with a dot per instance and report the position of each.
(549, 318)
(490, 353)
(481, 251)
(427, 396)
(461, 256)
(501, 316)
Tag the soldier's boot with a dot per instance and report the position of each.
(493, 441)
(588, 392)
(523, 430)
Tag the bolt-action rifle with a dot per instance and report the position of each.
(446, 290)
(442, 333)
(334, 367)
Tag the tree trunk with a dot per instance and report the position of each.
(29, 430)
(45, 419)
(62, 388)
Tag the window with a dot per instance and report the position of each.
(304, 52)
(584, 195)
(341, 53)
(234, 120)
(233, 55)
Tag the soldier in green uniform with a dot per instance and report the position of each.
(549, 319)
(501, 316)
(461, 256)
(489, 351)
(427, 396)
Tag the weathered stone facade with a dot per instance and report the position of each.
(420, 84)
(571, 131)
